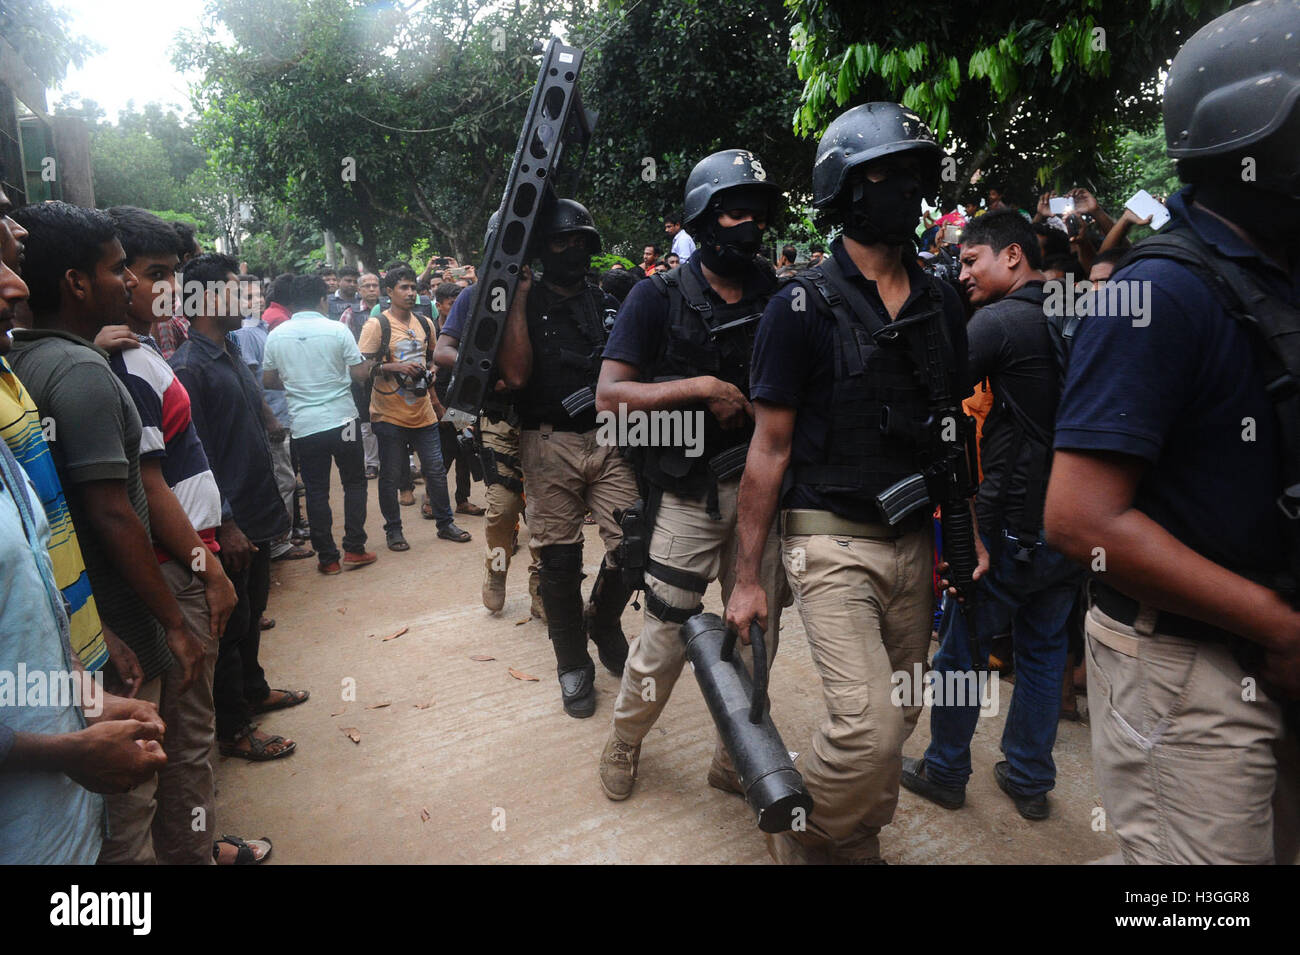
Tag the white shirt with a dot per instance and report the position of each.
(683, 245)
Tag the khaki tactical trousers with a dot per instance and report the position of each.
(566, 474)
(686, 539)
(1191, 755)
(867, 605)
(504, 505)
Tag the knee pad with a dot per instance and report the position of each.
(560, 559)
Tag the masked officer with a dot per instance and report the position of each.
(496, 434)
(681, 345)
(841, 401)
(550, 352)
(1177, 467)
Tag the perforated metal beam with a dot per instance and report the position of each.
(555, 124)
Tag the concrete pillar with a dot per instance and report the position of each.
(72, 147)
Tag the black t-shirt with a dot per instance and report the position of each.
(1011, 345)
(1180, 388)
(794, 366)
(642, 322)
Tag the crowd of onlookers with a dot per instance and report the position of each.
(180, 420)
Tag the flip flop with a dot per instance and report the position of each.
(293, 698)
(244, 854)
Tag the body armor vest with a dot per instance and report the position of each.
(568, 336)
(880, 401)
(703, 338)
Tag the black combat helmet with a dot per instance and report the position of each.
(564, 216)
(721, 171)
(1234, 89)
(869, 132)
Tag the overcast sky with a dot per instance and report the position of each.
(136, 39)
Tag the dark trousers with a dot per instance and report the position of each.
(239, 683)
(342, 446)
(393, 442)
(452, 451)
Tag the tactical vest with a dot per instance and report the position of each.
(703, 338)
(568, 336)
(880, 401)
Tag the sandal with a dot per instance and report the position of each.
(266, 623)
(426, 510)
(291, 698)
(450, 532)
(244, 854)
(257, 748)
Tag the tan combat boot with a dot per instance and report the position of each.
(618, 765)
(494, 589)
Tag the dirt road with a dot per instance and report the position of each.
(460, 762)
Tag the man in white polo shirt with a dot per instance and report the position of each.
(315, 361)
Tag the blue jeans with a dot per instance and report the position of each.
(427, 442)
(1031, 600)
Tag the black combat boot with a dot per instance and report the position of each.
(603, 615)
(561, 587)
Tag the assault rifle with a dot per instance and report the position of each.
(949, 464)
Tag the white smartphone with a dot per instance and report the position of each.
(1144, 204)
(1061, 205)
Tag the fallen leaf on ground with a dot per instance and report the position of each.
(520, 675)
(424, 815)
(424, 706)
(394, 636)
(481, 658)
(343, 609)
(520, 623)
(340, 712)
(379, 706)
(351, 733)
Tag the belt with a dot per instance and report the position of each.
(807, 521)
(1147, 620)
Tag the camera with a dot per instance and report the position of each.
(417, 385)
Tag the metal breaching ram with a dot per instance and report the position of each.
(556, 122)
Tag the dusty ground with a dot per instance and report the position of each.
(466, 764)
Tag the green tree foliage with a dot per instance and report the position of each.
(1032, 95)
(40, 33)
(380, 123)
(674, 82)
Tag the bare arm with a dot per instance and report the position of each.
(446, 351)
(128, 547)
(620, 386)
(171, 526)
(760, 487)
(515, 355)
(1089, 514)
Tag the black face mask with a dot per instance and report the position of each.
(884, 212)
(567, 267)
(731, 251)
